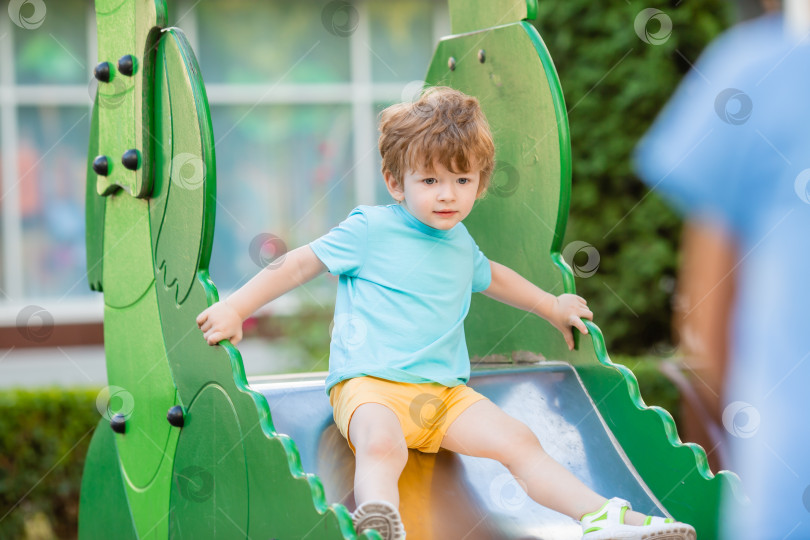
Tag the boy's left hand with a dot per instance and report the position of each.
(568, 311)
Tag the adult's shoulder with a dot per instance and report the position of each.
(739, 52)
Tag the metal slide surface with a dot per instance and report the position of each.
(449, 495)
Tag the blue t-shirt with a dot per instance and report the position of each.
(403, 293)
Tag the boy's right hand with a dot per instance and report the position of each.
(219, 322)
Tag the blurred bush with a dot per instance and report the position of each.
(44, 435)
(614, 85)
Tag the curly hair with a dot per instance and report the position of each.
(444, 126)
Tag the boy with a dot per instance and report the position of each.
(407, 272)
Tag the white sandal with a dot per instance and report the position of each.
(607, 523)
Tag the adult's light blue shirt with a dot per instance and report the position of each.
(733, 147)
(403, 293)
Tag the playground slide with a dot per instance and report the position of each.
(448, 495)
(205, 454)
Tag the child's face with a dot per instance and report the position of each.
(437, 197)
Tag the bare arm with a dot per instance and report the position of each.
(223, 320)
(706, 285)
(562, 311)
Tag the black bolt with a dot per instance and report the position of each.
(101, 166)
(451, 63)
(118, 423)
(175, 416)
(102, 72)
(482, 56)
(131, 159)
(126, 65)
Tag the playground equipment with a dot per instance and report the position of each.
(197, 451)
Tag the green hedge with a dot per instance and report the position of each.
(614, 85)
(44, 435)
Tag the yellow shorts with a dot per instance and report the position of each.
(425, 410)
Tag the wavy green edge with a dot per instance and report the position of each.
(266, 423)
(597, 339)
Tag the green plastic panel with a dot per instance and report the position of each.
(136, 360)
(127, 266)
(182, 222)
(137, 368)
(466, 16)
(516, 222)
(103, 500)
(210, 485)
(136, 363)
(149, 505)
(141, 386)
(128, 27)
(94, 214)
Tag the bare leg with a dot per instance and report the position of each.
(381, 453)
(484, 430)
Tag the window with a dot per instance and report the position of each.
(294, 89)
